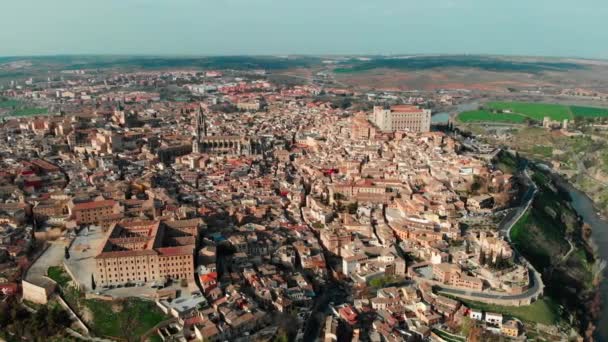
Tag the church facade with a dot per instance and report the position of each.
(222, 144)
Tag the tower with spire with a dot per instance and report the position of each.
(200, 131)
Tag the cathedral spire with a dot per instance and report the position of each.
(200, 131)
(201, 124)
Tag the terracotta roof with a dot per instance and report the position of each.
(193, 320)
(206, 278)
(94, 204)
(118, 254)
(406, 109)
(172, 251)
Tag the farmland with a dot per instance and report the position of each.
(535, 111)
(517, 112)
(483, 115)
(589, 111)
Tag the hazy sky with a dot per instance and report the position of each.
(220, 27)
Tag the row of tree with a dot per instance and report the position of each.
(497, 262)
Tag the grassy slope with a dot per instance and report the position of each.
(58, 274)
(507, 163)
(541, 237)
(109, 323)
(538, 236)
(543, 311)
(110, 317)
(542, 150)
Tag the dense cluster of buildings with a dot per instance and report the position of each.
(259, 198)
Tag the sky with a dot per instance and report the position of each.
(277, 27)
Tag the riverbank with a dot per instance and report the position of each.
(598, 240)
(552, 236)
(529, 144)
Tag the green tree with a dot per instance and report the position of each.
(339, 206)
(381, 282)
(352, 207)
(338, 196)
(465, 327)
(281, 337)
(482, 258)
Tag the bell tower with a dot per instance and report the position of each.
(200, 131)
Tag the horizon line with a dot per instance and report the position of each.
(288, 55)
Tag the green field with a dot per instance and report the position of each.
(590, 112)
(482, 115)
(517, 112)
(535, 111)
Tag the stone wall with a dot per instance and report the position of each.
(36, 293)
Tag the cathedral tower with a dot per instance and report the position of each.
(200, 131)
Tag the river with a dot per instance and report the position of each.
(599, 231)
(585, 208)
(443, 117)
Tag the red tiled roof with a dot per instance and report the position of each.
(94, 204)
(405, 109)
(209, 277)
(348, 313)
(46, 166)
(172, 251)
(118, 254)
(193, 320)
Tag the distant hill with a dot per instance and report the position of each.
(483, 73)
(161, 62)
(343, 64)
(499, 64)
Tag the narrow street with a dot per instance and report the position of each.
(332, 292)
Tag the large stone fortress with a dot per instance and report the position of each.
(222, 144)
(404, 118)
(145, 251)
